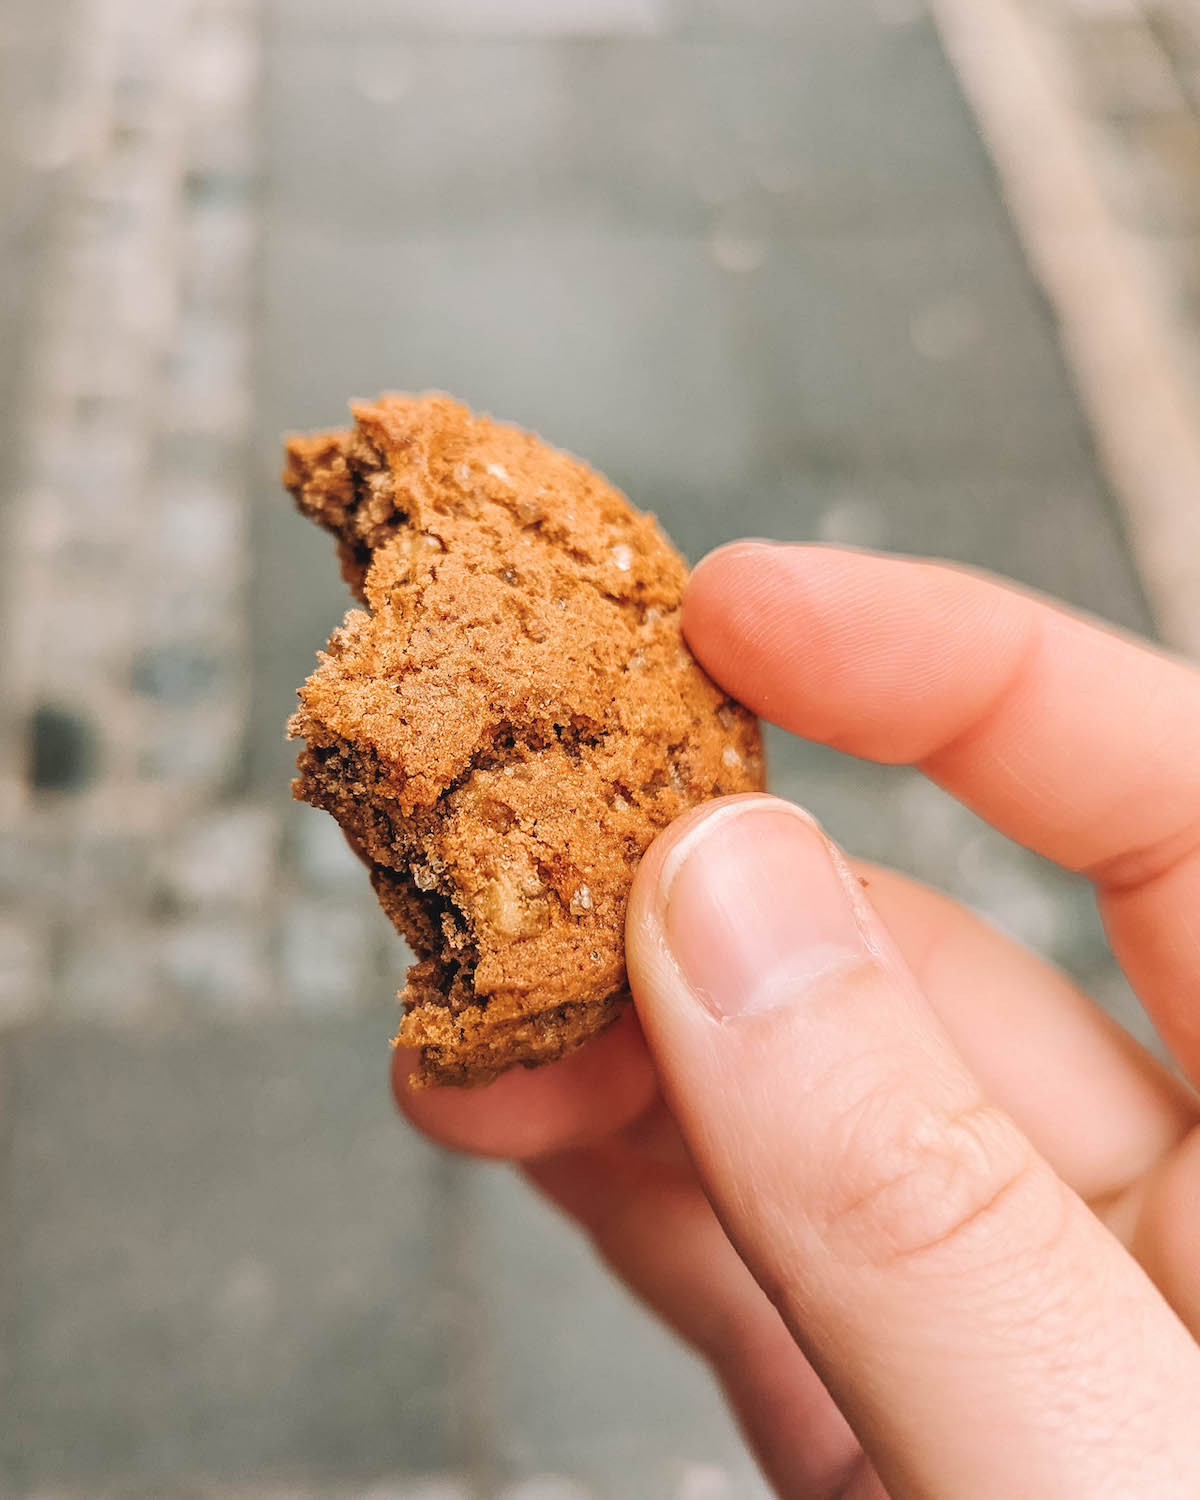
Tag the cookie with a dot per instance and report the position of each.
(506, 725)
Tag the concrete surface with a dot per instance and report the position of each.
(1091, 114)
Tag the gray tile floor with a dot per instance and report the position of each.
(750, 260)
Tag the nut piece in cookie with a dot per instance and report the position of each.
(506, 724)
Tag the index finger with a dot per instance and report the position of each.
(1072, 739)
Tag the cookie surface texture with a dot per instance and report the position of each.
(506, 724)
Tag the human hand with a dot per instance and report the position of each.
(933, 1219)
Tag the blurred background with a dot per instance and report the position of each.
(845, 270)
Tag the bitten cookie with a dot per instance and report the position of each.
(508, 723)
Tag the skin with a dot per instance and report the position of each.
(931, 1217)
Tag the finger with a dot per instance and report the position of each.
(928, 1262)
(1166, 1236)
(1070, 738)
(1095, 1104)
(1109, 1119)
(655, 1229)
(525, 1113)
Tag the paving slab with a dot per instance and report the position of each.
(572, 1355)
(594, 20)
(32, 68)
(1091, 116)
(225, 1258)
(685, 134)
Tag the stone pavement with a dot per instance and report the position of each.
(750, 259)
(1132, 70)
(1091, 111)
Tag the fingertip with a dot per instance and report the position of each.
(719, 578)
(730, 552)
(686, 838)
(527, 1113)
(885, 657)
(731, 615)
(404, 1065)
(653, 870)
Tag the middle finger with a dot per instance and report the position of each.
(1094, 1102)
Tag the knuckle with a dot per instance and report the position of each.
(916, 1188)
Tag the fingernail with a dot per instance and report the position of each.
(759, 906)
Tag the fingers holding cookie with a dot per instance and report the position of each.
(526, 1113)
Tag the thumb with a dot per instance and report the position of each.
(980, 1329)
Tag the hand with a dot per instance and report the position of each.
(933, 1219)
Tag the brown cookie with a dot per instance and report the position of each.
(507, 725)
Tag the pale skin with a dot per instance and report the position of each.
(933, 1220)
